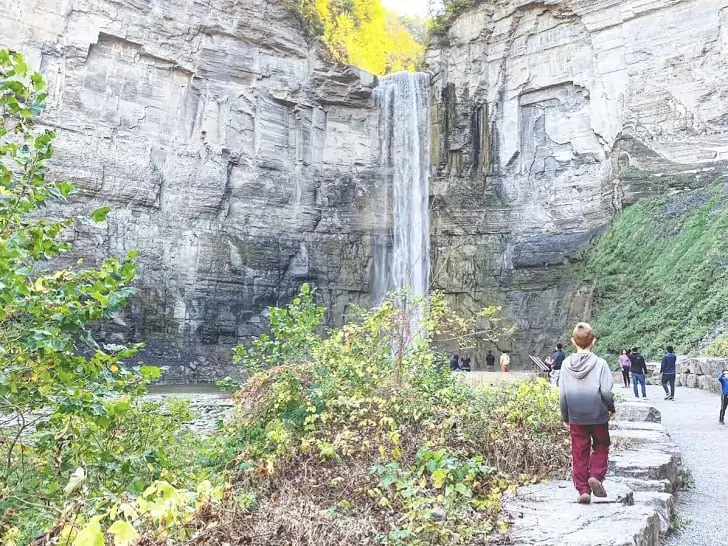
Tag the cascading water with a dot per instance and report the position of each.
(402, 247)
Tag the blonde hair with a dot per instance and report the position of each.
(583, 336)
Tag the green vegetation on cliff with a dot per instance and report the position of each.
(661, 273)
(363, 33)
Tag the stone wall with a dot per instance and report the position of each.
(236, 160)
(701, 373)
(550, 117)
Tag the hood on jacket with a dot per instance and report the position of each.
(580, 364)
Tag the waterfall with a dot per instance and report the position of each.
(402, 246)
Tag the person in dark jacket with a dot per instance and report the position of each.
(559, 356)
(638, 367)
(587, 405)
(455, 362)
(668, 371)
(490, 360)
(723, 378)
(465, 362)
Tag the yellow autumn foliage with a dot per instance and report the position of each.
(362, 33)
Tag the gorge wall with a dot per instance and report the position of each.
(553, 115)
(235, 160)
(240, 164)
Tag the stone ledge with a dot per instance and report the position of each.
(548, 515)
(645, 461)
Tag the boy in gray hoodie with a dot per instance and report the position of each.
(587, 404)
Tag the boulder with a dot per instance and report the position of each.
(637, 411)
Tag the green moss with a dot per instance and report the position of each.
(661, 273)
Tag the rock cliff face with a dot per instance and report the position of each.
(551, 116)
(236, 160)
(240, 164)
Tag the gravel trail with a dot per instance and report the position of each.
(692, 420)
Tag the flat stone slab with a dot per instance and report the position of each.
(645, 464)
(637, 411)
(644, 461)
(645, 439)
(637, 485)
(637, 425)
(548, 514)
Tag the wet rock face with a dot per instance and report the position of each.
(549, 118)
(236, 161)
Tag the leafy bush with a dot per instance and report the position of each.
(362, 438)
(719, 348)
(661, 273)
(75, 440)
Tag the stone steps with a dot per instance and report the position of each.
(644, 461)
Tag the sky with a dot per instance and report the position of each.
(410, 7)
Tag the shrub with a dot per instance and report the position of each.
(368, 437)
(74, 437)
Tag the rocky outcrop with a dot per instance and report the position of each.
(553, 115)
(236, 160)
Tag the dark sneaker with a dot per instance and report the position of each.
(584, 498)
(597, 488)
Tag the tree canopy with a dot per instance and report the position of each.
(363, 33)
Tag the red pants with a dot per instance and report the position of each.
(589, 451)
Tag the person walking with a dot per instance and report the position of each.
(723, 378)
(587, 405)
(490, 361)
(505, 362)
(624, 364)
(668, 369)
(638, 367)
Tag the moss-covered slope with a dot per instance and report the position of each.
(661, 273)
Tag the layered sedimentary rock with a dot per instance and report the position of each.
(553, 115)
(236, 161)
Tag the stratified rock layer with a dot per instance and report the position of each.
(236, 161)
(551, 116)
(240, 164)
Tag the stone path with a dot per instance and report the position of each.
(692, 421)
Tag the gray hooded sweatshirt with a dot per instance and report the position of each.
(585, 390)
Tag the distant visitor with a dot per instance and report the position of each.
(505, 362)
(723, 378)
(559, 357)
(455, 362)
(668, 369)
(490, 361)
(587, 405)
(625, 365)
(638, 367)
(465, 362)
